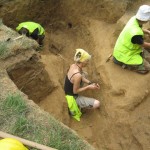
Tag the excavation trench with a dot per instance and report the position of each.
(93, 26)
(31, 78)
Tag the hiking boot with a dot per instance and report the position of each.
(142, 71)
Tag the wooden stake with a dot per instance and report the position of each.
(18, 37)
(26, 142)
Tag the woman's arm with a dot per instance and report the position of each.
(76, 85)
(86, 80)
(146, 31)
(146, 45)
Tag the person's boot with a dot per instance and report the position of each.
(142, 71)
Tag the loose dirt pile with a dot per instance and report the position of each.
(122, 122)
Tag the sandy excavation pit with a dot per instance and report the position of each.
(32, 79)
(122, 122)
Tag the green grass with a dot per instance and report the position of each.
(15, 102)
(19, 119)
(3, 49)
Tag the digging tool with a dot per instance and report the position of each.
(19, 37)
(108, 58)
(26, 142)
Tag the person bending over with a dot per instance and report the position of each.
(33, 30)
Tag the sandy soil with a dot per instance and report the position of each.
(122, 122)
(114, 125)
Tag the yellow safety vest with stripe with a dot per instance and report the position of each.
(31, 26)
(125, 51)
(73, 107)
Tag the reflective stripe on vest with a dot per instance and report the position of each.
(125, 51)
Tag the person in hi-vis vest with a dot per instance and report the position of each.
(33, 30)
(131, 50)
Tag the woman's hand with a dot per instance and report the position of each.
(94, 86)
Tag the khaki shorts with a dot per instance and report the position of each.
(84, 102)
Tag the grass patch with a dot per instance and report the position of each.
(19, 119)
(15, 102)
(3, 49)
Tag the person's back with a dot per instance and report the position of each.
(31, 26)
(125, 51)
(33, 30)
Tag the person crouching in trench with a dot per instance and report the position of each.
(33, 30)
(131, 51)
(73, 82)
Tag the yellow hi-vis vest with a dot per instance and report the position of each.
(73, 107)
(125, 51)
(31, 26)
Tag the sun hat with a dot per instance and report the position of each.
(81, 55)
(143, 13)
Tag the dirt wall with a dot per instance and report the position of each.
(31, 78)
(47, 12)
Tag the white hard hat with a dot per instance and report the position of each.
(143, 13)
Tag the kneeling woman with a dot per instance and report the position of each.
(73, 82)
